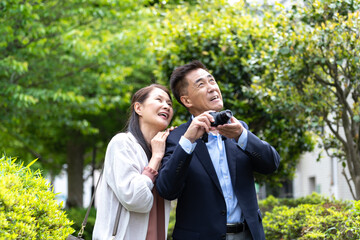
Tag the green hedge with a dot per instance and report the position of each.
(311, 217)
(28, 208)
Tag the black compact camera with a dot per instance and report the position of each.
(221, 118)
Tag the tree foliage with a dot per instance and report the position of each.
(68, 69)
(65, 69)
(312, 70)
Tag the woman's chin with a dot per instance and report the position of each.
(161, 126)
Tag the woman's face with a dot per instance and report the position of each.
(156, 111)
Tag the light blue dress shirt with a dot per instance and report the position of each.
(216, 148)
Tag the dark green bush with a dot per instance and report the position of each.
(270, 202)
(311, 217)
(77, 216)
(28, 208)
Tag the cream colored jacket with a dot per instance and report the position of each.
(123, 182)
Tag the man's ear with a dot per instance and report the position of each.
(186, 101)
(138, 108)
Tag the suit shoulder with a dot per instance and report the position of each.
(182, 127)
(178, 132)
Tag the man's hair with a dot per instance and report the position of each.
(178, 83)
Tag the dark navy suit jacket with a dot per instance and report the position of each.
(191, 178)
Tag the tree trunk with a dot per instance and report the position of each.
(357, 187)
(353, 165)
(75, 165)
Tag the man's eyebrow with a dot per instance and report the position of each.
(201, 79)
(198, 80)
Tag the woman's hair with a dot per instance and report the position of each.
(133, 125)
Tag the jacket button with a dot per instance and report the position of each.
(223, 212)
(223, 236)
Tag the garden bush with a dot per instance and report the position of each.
(266, 205)
(311, 217)
(28, 208)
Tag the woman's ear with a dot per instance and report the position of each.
(186, 101)
(138, 108)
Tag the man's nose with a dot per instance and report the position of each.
(211, 87)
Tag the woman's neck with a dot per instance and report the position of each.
(148, 133)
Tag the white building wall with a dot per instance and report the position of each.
(323, 176)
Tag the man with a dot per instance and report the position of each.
(212, 179)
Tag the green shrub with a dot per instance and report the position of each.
(28, 209)
(311, 217)
(77, 216)
(270, 202)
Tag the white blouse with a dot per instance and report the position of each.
(123, 182)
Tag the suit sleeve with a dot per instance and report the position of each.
(264, 158)
(172, 174)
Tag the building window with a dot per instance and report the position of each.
(312, 185)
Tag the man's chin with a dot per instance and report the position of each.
(217, 107)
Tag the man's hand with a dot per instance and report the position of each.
(231, 130)
(199, 125)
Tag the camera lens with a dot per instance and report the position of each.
(221, 118)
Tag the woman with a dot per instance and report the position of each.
(131, 163)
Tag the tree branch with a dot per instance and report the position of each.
(324, 83)
(348, 182)
(336, 133)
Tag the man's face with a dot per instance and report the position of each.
(203, 93)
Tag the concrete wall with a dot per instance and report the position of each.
(323, 176)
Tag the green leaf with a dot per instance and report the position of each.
(31, 163)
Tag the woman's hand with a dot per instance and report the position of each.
(158, 143)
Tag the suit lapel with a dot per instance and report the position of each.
(202, 154)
